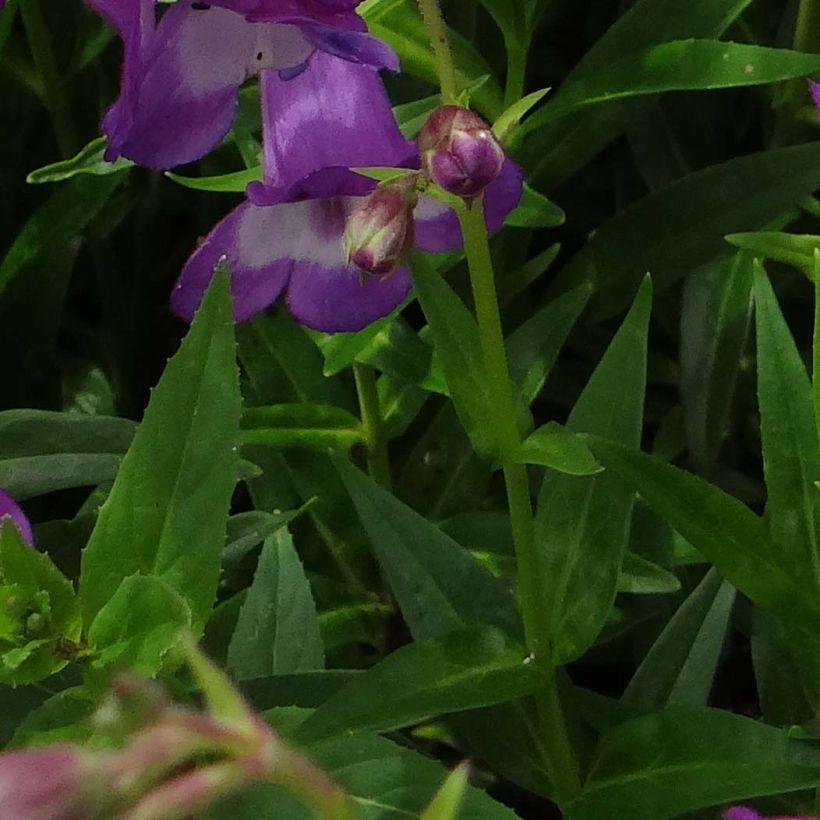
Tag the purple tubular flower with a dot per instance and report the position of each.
(289, 238)
(9, 510)
(181, 75)
(814, 90)
(51, 783)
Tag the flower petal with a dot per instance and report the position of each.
(336, 13)
(179, 101)
(9, 509)
(437, 229)
(334, 114)
(340, 300)
(258, 274)
(353, 46)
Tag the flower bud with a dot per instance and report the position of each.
(459, 151)
(53, 783)
(380, 231)
(10, 511)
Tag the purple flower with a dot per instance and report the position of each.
(289, 237)
(51, 783)
(181, 74)
(11, 511)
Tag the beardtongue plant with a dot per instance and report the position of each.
(459, 594)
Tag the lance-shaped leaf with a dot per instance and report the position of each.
(167, 511)
(465, 670)
(583, 522)
(440, 587)
(682, 759)
(458, 344)
(722, 528)
(301, 425)
(791, 456)
(680, 666)
(278, 631)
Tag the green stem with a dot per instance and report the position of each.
(815, 381)
(442, 55)
(378, 463)
(477, 247)
(564, 771)
(807, 30)
(516, 72)
(42, 50)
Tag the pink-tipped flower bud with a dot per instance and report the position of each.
(379, 232)
(60, 782)
(459, 151)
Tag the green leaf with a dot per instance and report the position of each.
(439, 586)
(679, 668)
(730, 535)
(465, 670)
(139, 625)
(504, 126)
(42, 451)
(791, 249)
(778, 681)
(641, 577)
(672, 762)
(61, 219)
(791, 455)
(533, 348)
(89, 160)
(583, 523)
(384, 780)
(38, 611)
(676, 66)
(688, 221)
(458, 345)
(560, 449)
(715, 318)
(278, 631)
(233, 183)
(166, 513)
(301, 425)
(561, 148)
(447, 803)
(535, 211)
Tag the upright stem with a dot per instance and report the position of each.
(807, 30)
(378, 463)
(562, 764)
(42, 51)
(516, 72)
(442, 56)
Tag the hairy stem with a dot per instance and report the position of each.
(442, 55)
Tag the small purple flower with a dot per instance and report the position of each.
(290, 236)
(52, 783)
(459, 151)
(181, 74)
(9, 510)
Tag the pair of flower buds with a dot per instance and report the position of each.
(459, 154)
